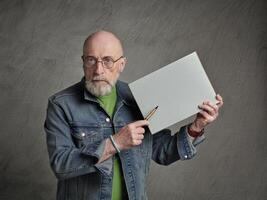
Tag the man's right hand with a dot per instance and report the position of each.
(131, 135)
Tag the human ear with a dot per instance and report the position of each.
(122, 64)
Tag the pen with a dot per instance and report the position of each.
(151, 113)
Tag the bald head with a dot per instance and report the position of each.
(103, 40)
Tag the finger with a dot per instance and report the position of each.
(205, 102)
(220, 99)
(137, 142)
(214, 107)
(219, 104)
(138, 137)
(140, 131)
(206, 116)
(141, 123)
(208, 109)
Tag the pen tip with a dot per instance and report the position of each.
(156, 107)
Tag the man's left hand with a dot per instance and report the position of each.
(209, 112)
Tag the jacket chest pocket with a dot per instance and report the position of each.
(86, 133)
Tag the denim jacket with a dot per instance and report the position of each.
(76, 127)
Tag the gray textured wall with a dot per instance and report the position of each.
(40, 48)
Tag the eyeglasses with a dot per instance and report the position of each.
(107, 62)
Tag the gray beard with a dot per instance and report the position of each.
(100, 90)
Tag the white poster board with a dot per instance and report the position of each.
(177, 89)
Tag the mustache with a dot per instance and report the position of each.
(99, 78)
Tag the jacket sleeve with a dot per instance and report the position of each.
(66, 159)
(169, 148)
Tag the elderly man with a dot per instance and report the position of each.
(98, 142)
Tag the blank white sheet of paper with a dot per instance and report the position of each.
(177, 89)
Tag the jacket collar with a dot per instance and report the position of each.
(123, 93)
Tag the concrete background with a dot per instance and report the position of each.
(40, 49)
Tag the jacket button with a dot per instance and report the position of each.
(83, 134)
(107, 119)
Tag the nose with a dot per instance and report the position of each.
(99, 69)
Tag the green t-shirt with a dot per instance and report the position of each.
(108, 102)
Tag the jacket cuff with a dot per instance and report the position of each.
(187, 147)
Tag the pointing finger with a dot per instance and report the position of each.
(141, 123)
